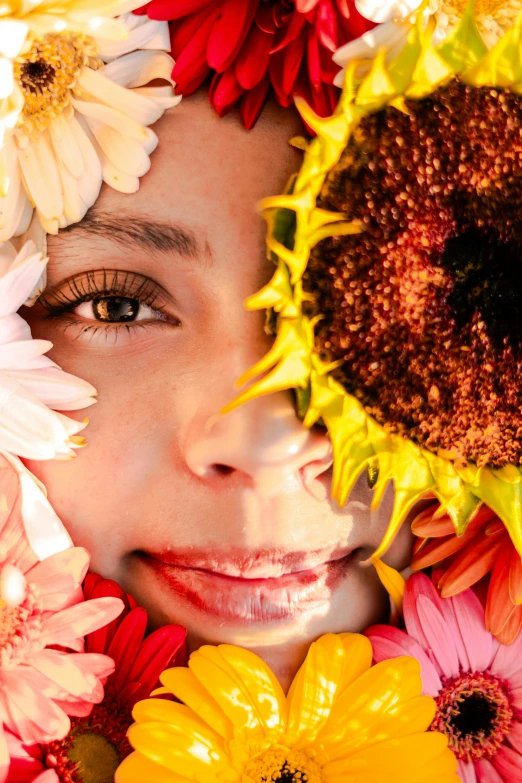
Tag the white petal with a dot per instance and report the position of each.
(40, 170)
(25, 355)
(12, 37)
(66, 146)
(43, 528)
(105, 115)
(72, 203)
(144, 33)
(367, 46)
(11, 205)
(126, 154)
(17, 282)
(138, 107)
(91, 182)
(139, 68)
(56, 388)
(385, 10)
(6, 77)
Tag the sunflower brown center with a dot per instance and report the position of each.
(48, 73)
(281, 765)
(474, 712)
(423, 309)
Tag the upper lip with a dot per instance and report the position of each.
(243, 564)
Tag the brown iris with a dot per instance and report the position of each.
(424, 308)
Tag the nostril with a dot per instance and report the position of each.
(222, 470)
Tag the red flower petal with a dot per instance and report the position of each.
(475, 562)
(191, 66)
(229, 32)
(265, 18)
(515, 577)
(303, 6)
(289, 33)
(326, 26)
(314, 59)
(294, 53)
(276, 73)
(156, 654)
(252, 61)
(499, 606)
(125, 647)
(98, 641)
(182, 32)
(252, 103)
(169, 10)
(224, 91)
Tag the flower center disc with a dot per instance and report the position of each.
(48, 73)
(422, 309)
(10, 623)
(280, 765)
(474, 712)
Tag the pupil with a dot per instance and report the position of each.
(487, 280)
(115, 309)
(475, 714)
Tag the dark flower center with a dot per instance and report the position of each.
(474, 712)
(422, 309)
(36, 76)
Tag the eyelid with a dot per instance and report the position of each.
(64, 296)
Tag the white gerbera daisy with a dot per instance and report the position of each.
(395, 17)
(33, 389)
(83, 119)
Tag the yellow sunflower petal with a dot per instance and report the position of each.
(184, 684)
(391, 580)
(244, 687)
(179, 717)
(137, 768)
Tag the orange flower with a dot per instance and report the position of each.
(484, 549)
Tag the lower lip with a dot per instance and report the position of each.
(249, 601)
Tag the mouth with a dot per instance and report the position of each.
(250, 588)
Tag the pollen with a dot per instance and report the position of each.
(281, 765)
(48, 73)
(10, 623)
(493, 17)
(422, 310)
(475, 714)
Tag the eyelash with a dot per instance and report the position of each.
(100, 284)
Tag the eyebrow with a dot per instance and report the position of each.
(137, 230)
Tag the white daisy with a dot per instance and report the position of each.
(395, 18)
(86, 108)
(33, 389)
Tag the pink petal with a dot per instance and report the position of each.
(480, 645)
(486, 772)
(4, 757)
(30, 714)
(59, 576)
(79, 620)
(508, 763)
(515, 736)
(61, 668)
(508, 660)
(78, 708)
(49, 776)
(438, 635)
(389, 642)
(467, 772)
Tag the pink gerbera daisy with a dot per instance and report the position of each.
(44, 671)
(475, 680)
(97, 742)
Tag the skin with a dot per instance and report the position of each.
(163, 468)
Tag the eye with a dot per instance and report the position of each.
(117, 309)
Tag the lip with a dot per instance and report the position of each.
(249, 588)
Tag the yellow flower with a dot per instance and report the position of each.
(75, 106)
(342, 721)
(298, 222)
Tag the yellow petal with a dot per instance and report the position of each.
(244, 687)
(184, 684)
(137, 769)
(391, 580)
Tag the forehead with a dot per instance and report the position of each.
(207, 168)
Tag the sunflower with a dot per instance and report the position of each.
(341, 721)
(74, 106)
(397, 282)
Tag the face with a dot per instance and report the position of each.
(224, 524)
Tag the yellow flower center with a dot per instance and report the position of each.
(96, 758)
(47, 74)
(281, 765)
(10, 622)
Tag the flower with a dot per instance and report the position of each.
(41, 680)
(82, 122)
(485, 548)
(338, 723)
(474, 680)
(392, 338)
(493, 18)
(252, 45)
(97, 741)
(33, 389)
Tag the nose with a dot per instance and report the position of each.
(264, 444)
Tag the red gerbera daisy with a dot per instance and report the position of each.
(251, 45)
(97, 742)
(484, 550)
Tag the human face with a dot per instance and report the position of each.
(224, 524)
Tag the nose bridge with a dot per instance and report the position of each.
(263, 440)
